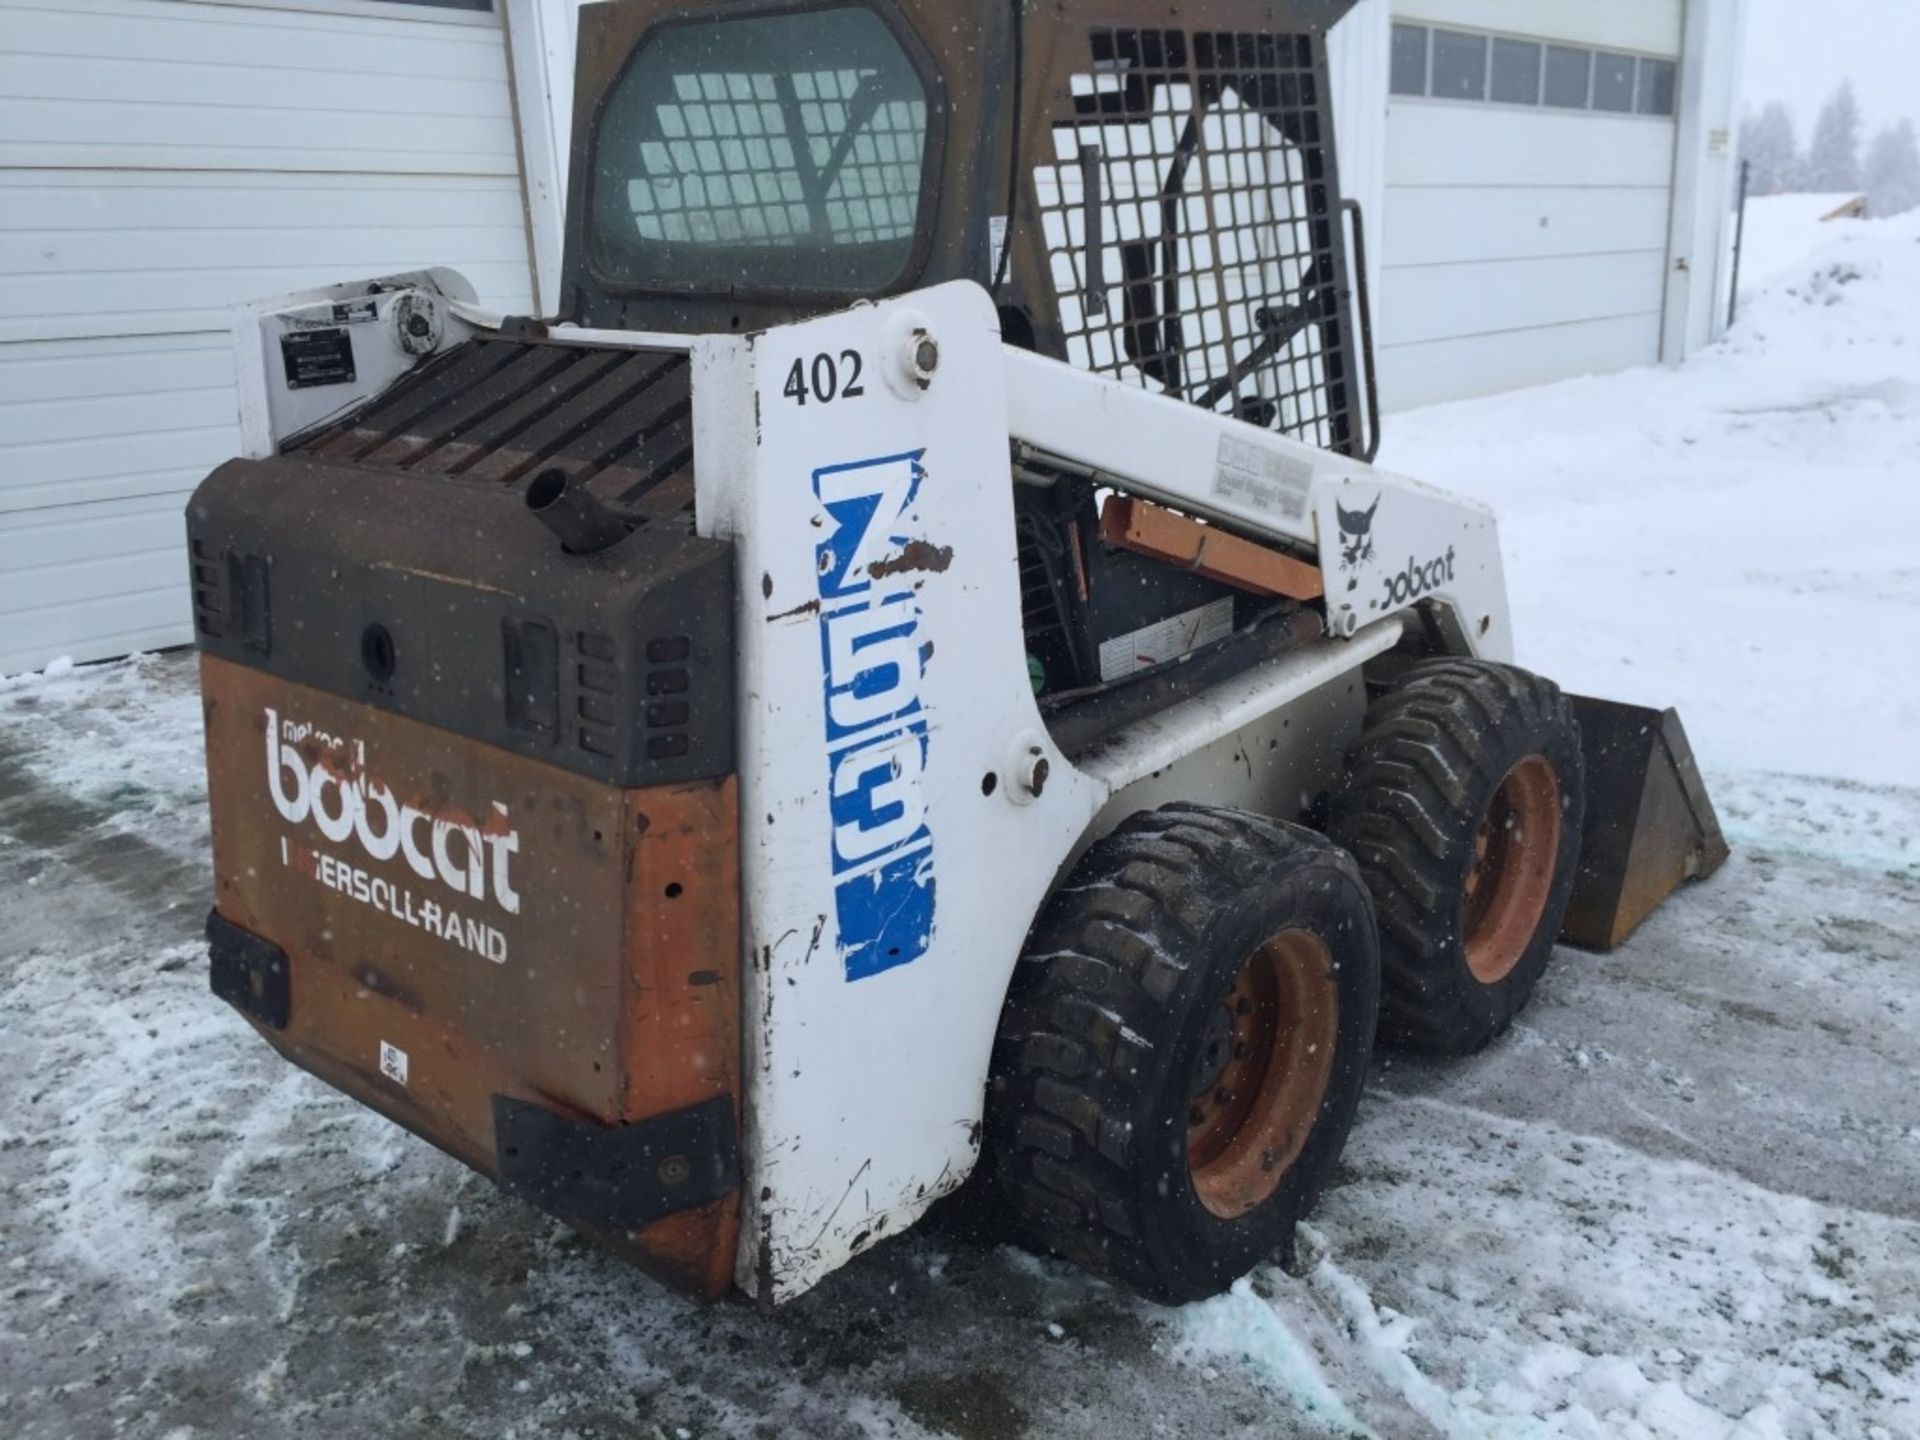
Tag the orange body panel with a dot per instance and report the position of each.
(533, 934)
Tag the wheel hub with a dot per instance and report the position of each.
(1511, 874)
(1216, 1048)
(1261, 1072)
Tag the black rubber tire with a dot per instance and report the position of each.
(1418, 783)
(1088, 1103)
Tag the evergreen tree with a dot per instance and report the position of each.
(1893, 170)
(1767, 142)
(1833, 157)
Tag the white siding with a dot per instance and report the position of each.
(1702, 238)
(1504, 297)
(1521, 244)
(1357, 65)
(544, 37)
(1357, 69)
(160, 162)
(1480, 147)
(1431, 227)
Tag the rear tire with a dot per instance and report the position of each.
(1183, 1048)
(1463, 803)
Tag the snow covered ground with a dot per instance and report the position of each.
(1681, 1199)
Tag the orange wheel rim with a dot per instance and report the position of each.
(1514, 853)
(1262, 1073)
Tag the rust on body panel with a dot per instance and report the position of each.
(1161, 534)
(681, 1012)
(585, 956)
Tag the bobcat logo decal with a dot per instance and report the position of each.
(1356, 534)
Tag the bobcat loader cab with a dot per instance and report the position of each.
(843, 706)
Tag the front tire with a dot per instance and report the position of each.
(1463, 804)
(1183, 1048)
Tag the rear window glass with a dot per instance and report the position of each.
(778, 152)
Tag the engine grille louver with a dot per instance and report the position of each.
(620, 665)
(498, 411)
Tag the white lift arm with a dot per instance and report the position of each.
(904, 809)
(1418, 542)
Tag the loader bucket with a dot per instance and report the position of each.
(1649, 827)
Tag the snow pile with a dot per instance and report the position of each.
(1241, 1326)
(1784, 231)
(1741, 537)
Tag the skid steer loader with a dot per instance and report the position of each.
(911, 672)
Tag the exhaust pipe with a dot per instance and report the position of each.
(574, 513)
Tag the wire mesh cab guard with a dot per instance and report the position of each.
(1162, 185)
(1184, 196)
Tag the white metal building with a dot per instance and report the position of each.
(1550, 178)
(160, 161)
(1545, 182)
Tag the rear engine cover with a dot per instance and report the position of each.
(474, 814)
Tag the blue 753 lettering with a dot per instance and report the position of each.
(872, 665)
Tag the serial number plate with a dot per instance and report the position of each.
(317, 357)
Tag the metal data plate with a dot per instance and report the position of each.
(317, 357)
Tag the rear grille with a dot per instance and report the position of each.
(209, 591)
(668, 714)
(597, 705)
(230, 599)
(497, 411)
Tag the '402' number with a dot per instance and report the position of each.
(825, 379)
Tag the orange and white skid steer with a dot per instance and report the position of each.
(911, 673)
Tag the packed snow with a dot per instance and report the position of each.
(1740, 539)
(1680, 1199)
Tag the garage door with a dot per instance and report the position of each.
(160, 161)
(1529, 179)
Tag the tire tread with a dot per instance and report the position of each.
(1076, 1037)
(1434, 743)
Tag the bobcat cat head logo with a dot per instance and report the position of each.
(1356, 533)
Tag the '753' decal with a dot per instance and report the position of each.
(873, 662)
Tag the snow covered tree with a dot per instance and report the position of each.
(1893, 170)
(1833, 156)
(1767, 142)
